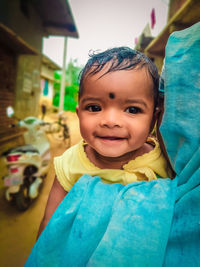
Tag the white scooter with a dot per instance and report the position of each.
(28, 164)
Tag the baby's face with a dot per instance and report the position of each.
(116, 111)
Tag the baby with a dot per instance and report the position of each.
(118, 108)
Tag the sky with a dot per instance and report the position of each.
(104, 24)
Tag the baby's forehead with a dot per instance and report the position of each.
(95, 74)
(118, 81)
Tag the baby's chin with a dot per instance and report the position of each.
(112, 154)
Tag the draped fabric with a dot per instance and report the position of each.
(141, 224)
(181, 133)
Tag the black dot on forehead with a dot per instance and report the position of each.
(111, 95)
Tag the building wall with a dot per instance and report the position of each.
(47, 72)
(9, 136)
(21, 17)
(23, 71)
(28, 86)
(7, 84)
(47, 82)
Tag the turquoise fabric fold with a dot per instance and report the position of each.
(108, 225)
(181, 133)
(143, 224)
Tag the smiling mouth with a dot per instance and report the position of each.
(111, 138)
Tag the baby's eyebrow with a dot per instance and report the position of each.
(136, 101)
(86, 99)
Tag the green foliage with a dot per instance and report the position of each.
(71, 88)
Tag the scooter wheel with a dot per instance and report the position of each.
(23, 200)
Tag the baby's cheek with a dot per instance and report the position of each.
(85, 130)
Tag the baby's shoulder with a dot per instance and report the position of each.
(71, 152)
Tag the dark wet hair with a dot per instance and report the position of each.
(121, 58)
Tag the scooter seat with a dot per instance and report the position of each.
(23, 149)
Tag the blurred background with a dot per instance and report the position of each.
(43, 47)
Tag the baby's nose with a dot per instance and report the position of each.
(111, 119)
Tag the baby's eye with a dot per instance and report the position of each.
(133, 110)
(93, 108)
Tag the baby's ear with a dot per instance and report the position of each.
(77, 109)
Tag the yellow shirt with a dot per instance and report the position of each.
(73, 163)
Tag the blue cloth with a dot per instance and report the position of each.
(181, 133)
(143, 224)
(108, 225)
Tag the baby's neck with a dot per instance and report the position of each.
(104, 162)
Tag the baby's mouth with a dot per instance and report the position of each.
(111, 138)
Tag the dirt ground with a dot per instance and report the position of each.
(18, 230)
